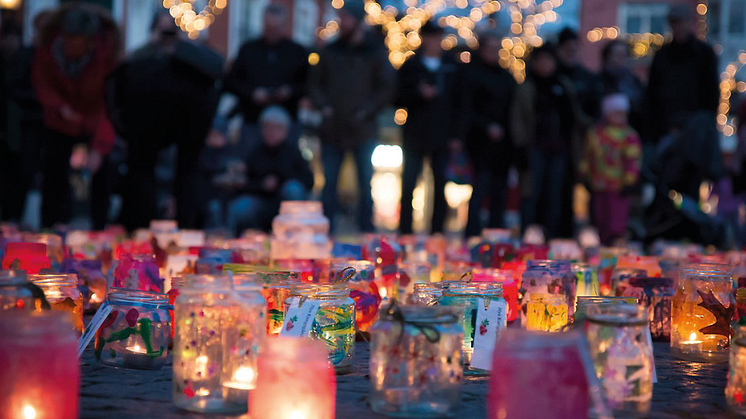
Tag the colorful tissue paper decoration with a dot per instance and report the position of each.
(138, 272)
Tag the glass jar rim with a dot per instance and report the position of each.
(313, 290)
(206, 283)
(12, 277)
(33, 323)
(125, 296)
(617, 315)
(474, 289)
(707, 269)
(54, 280)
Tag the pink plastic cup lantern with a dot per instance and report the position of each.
(295, 381)
(39, 364)
(510, 287)
(33, 257)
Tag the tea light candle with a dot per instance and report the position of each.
(294, 381)
(137, 357)
(243, 380)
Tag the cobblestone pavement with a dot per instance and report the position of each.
(684, 390)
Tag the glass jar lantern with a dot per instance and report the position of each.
(16, 292)
(622, 356)
(62, 294)
(510, 287)
(656, 295)
(137, 332)
(427, 294)
(702, 311)
(334, 323)
(546, 312)
(735, 390)
(547, 277)
(415, 361)
(214, 330)
(276, 287)
(465, 297)
(363, 290)
(39, 363)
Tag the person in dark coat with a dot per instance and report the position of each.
(683, 77)
(275, 172)
(544, 118)
(490, 143)
(78, 49)
(431, 90)
(351, 84)
(165, 93)
(271, 70)
(616, 77)
(586, 84)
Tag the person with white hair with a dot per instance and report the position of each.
(275, 172)
(611, 166)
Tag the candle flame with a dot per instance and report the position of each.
(136, 348)
(693, 337)
(296, 414)
(29, 412)
(244, 374)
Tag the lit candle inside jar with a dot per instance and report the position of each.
(692, 344)
(29, 412)
(237, 390)
(137, 357)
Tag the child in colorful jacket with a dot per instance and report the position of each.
(611, 166)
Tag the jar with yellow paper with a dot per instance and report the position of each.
(546, 312)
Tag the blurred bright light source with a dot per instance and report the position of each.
(10, 4)
(457, 195)
(387, 157)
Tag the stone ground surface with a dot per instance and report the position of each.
(684, 390)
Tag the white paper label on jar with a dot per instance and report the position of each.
(299, 318)
(98, 319)
(490, 320)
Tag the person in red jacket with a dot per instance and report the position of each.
(78, 50)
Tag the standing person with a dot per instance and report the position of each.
(611, 165)
(587, 85)
(270, 70)
(490, 145)
(351, 83)
(616, 77)
(430, 88)
(78, 50)
(544, 120)
(683, 77)
(165, 93)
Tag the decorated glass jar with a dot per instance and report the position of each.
(16, 292)
(136, 333)
(294, 381)
(62, 294)
(546, 277)
(215, 327)
(649, 264)
(546, 313)
(385, 252)
(620, 279)
(469, 298)
(334, 323)
(363, 290)
(735, 390)
(507, 280)
(415, 361)
(300, 231)
(276, 287)
(622, 355)
(701, 314)
(585, 303)
(586, 280)
(136, 271)
(656, 295)
(31, 257)
(249, 342)
(607, 262)
(40, 374)
(427, 294)
(552, 372)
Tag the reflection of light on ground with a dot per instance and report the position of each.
(387, 157)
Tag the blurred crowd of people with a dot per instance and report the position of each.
(472, 121)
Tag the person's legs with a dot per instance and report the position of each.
(618, 214)
(100, 194)
(139, 202)
(479, 192)
(331, 157)
(556, 174)
(599, 209)
(412, 169)
(498, 193)
(438, 163)
(537, 166)
(188, 198)
(364, 168)
(56, 205)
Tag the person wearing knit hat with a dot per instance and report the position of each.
(611, 166)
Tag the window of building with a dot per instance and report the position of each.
(736, 17)
(643, 17)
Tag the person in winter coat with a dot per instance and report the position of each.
(270, 70)
(165, 93)
(78, 49)
(351, 84)
(611, 165)
(275, 172)
(683, 77)
(431, 90)
(616, 77)
(544, 117)
(490, 145)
